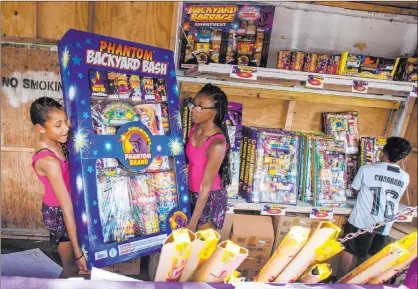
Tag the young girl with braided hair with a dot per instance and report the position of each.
(208, 153)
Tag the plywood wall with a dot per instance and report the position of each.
(410, 165)
(144, 22)
(21, 190)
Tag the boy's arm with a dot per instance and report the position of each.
(358, 180)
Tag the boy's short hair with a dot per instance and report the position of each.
(396, 149)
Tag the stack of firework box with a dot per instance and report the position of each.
(278, 166)
(402, 69)
(269, 165)
(233, 121)
(344, 126)
(370, 150)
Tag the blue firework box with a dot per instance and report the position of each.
(128, 173)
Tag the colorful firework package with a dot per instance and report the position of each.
(329, 181)
(234, 125)
(160, 90)
(122, 86)
(112, 83)
(98, 83)
(284, 59)
(135, 83)
(114, 208)
(351, 162)
(236, 34)
(370, 150)
(343, 126)
(268, 171)
(165, 190)
(128, 164)
(144, 204)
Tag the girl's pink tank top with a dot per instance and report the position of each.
(197, 163)
(49, 198)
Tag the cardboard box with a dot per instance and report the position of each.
(225, 233)
(131, 267)
(153, 262)
(282, 224)
(256, 234)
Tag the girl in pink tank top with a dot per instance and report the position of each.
(51, 166)
(208, 153)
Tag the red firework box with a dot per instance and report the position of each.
(333, 64)
(322, 63)
(284, 59)
(310, 62)
(298, 58)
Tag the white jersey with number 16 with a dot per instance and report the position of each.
(381, 187)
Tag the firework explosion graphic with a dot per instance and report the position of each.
(85, 252)
(184, 172)
(81, 140)
(65, 57)
(175, 146)
(177, 119)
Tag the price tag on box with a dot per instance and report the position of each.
(414, 91)
(322, 213)
(316, 81)
(404, 219)
(230, 208)
(360, 86)
(243, 72)
(273, 210)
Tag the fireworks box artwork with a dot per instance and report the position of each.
(224, 33)
(127, 167)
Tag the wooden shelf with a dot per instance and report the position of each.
(285, 80)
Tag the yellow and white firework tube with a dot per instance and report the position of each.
(226, 259)
(408, 242)
(287, 250)
(316, 273)
(325, 232)
(202, 248)
(234, 277)
(376, 265)
(174, 255)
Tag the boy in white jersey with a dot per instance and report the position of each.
(379, 189)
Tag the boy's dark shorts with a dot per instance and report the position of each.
(368, 243)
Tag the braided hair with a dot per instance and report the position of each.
(220, 102)
(40, 109)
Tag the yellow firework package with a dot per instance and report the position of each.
(316, 273)
(295, 239)
(202, 248)
(174, 255)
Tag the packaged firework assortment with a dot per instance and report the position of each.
(329, 173)
(126, 156)
(367, 66)
(108, 116)
(222, 33)
(269, 166)
(344, 126)
(370, 150)
(407, 69)
(402, 69)
(308, 62)
(119, 86)
(233, 121)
